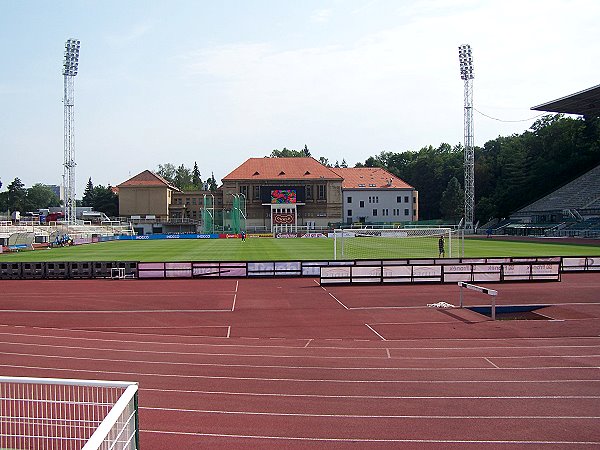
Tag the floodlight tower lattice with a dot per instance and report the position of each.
(70, 67)
(465, 57)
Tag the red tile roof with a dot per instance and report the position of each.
(147, 179)
(370, 178)
(282, 169)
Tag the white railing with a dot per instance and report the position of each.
(50, 413)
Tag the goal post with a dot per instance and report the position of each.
(390, 243)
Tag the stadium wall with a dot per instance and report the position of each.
(359, 271)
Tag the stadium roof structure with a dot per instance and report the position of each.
(147, 178)
(370, 178)
(585, 103)
(274, 169)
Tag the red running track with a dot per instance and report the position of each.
(285, 363)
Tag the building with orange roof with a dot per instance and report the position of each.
(285, 193)
(147, 194)
(372, 194)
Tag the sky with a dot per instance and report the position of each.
(217, 82)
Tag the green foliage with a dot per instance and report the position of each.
(182, 177)
(510, 172)
(105, 200)
(88, 193)
(287, 153)
(167, 171)
(196, 180)
(17, 196)
(40, 196)
(212, 183)
(453, 201)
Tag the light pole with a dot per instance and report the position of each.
(70, 65)
(466, 74)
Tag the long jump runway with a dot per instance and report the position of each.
(286, 363)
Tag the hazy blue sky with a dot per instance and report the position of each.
(220, 81)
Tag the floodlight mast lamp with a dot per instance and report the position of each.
(466, 74)
(70, 66)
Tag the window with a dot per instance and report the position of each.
(385, 212)
(349, 213)
(377, 199)
(369, 199)
(193, 200)
(399, 199)
(374, 212)
(308, 192)
(414, 199)
(244, 190)
(321, 192)
(406, 199)
(406, 212)
(349, 200)
(256, 192)
(362, 203)
(187, 200)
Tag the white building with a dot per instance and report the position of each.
(372, 194)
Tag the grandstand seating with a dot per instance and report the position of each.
(580, 195)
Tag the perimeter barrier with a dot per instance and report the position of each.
(428, 270)
(45, 413)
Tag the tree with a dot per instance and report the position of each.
(167, 171)
(324, 161)
(287, 153)
(212, 183)
(40, 196)
(452, 204)
(183, 178)
(196, 180)
(88, 193)
(306, 151)
(106, 201)
(17, 196)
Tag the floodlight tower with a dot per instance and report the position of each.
(70, 65)
(466, 73)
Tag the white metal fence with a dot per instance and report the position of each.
(50, 413)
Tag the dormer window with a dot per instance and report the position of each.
(282, 173)
(255, 173)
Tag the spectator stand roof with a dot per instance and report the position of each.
(585, 103)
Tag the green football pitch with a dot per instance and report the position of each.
(268, 249)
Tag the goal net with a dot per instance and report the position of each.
(394, 243)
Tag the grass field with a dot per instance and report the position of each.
(265, 249)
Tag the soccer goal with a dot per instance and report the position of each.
(390, 243)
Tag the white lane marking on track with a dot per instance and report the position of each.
(364, 416)
(324, 439)
(491, 363)
(303, 380)
(237, 283)
(381, 397)
(335, 298)
(349, 349)
(371, 328)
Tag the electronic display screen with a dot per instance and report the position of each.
(283, 196)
